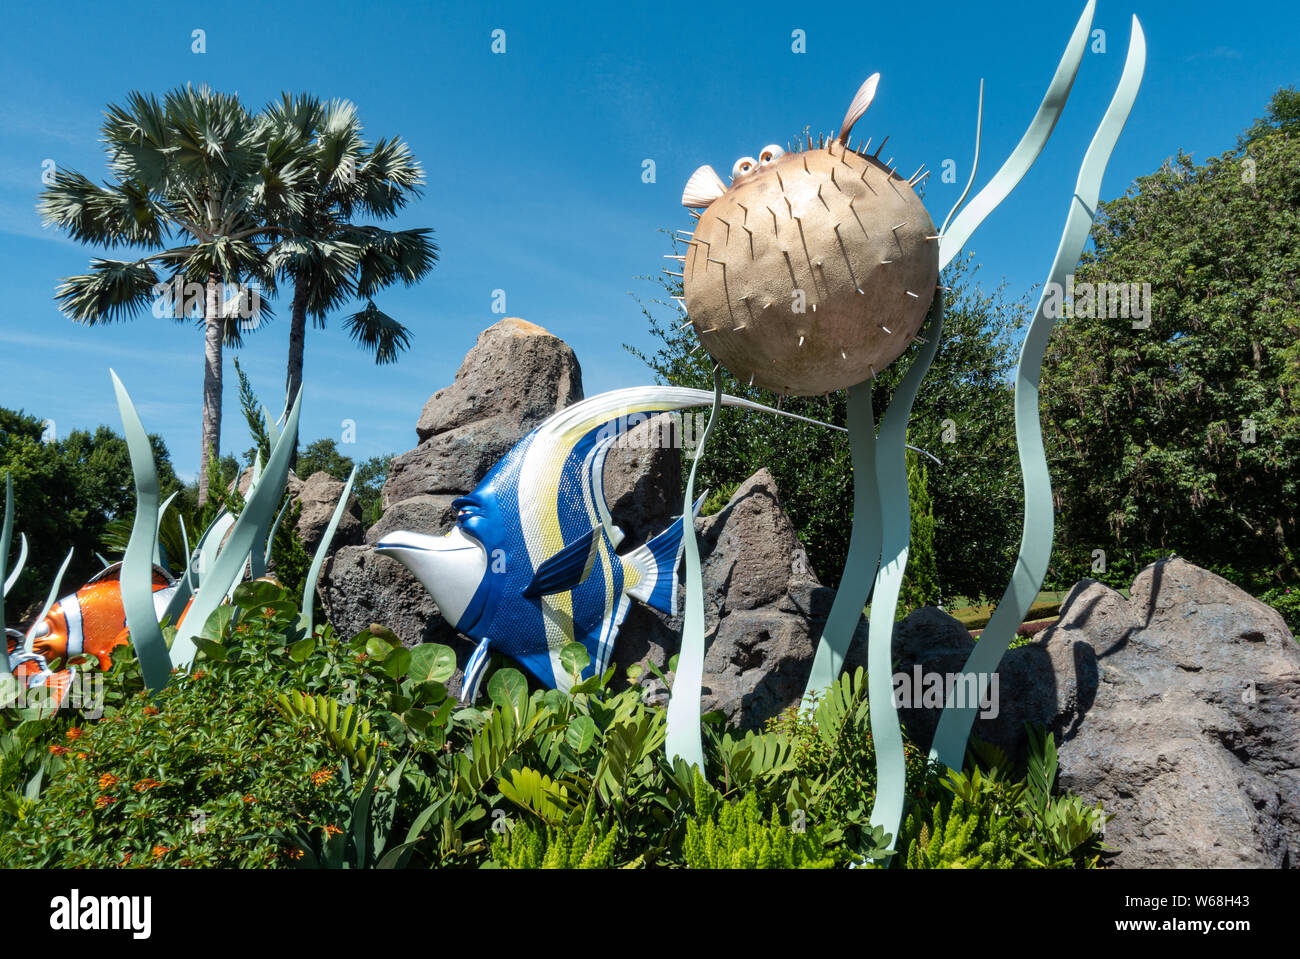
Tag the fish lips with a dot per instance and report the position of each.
(450, 567)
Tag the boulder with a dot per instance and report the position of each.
(358, 587)
(1178, 709)
(319, 496)
(515, 376)
(643, 479)
(764, 610)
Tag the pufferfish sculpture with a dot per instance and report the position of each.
(816, 267)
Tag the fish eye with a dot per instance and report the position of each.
(743, 166)
(770, 153)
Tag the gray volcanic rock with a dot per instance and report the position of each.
(515, 376)
(1178, 709)
(426, 513)
(764, 609)
(642, 478)
(319, 496)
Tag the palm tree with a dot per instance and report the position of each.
(191, 177)
(329, 258)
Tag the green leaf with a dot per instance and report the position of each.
(256, 593)
(574, 658)
(301, 650)
(432, 662)
(508, 689)
(211, 649)
(378, 648)
(218, 622)
(397, 662)
(580, 734)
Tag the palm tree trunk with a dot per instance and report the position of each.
(213, 335)
(297, 345)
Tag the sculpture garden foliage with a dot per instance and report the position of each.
(228, 766)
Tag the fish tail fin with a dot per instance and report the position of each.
(657, 563)
(473, 678)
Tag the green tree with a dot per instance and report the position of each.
(66, 493)
(921, 582)
(1182, 437)
(189, 176)
(329, 258)
(963, 414)
(323, 455)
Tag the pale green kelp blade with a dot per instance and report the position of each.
(275, 528)
(137, 564)
(309, 587)
(683, 738)
(1027, 150)
(230, 562)
(864, 547)
(955, 723)
(159, 552)
(895, 541)
(12, 579)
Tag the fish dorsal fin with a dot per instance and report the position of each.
(703, 188)
(567, 568)
(861, 100)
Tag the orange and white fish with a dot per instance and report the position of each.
(87, 624)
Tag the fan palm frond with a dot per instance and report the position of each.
(377, 332)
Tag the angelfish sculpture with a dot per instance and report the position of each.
(530, 565)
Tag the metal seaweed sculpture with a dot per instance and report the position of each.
(1036, 539)
(137, 564)
(713, 276)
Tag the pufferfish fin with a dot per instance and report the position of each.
(861, 100)
(703, 188)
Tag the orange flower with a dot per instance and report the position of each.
(82, 755)
(57, 749)
(107, 781)
(103, 801)
(333, 830)
(147, 783)
(151, 710)
(250, 798)
(321, 776)
(73, 732)
(160, 851)
(199, 673)
(295, 853)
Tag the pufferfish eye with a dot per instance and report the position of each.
(770, 153)
(743, 166)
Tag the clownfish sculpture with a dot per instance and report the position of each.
(86, 625)
(530, 565)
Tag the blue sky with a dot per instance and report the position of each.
(535, 156)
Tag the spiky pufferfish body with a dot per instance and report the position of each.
(827, 229)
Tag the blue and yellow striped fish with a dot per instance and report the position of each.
(530, 565)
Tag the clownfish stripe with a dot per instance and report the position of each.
(71, 608)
